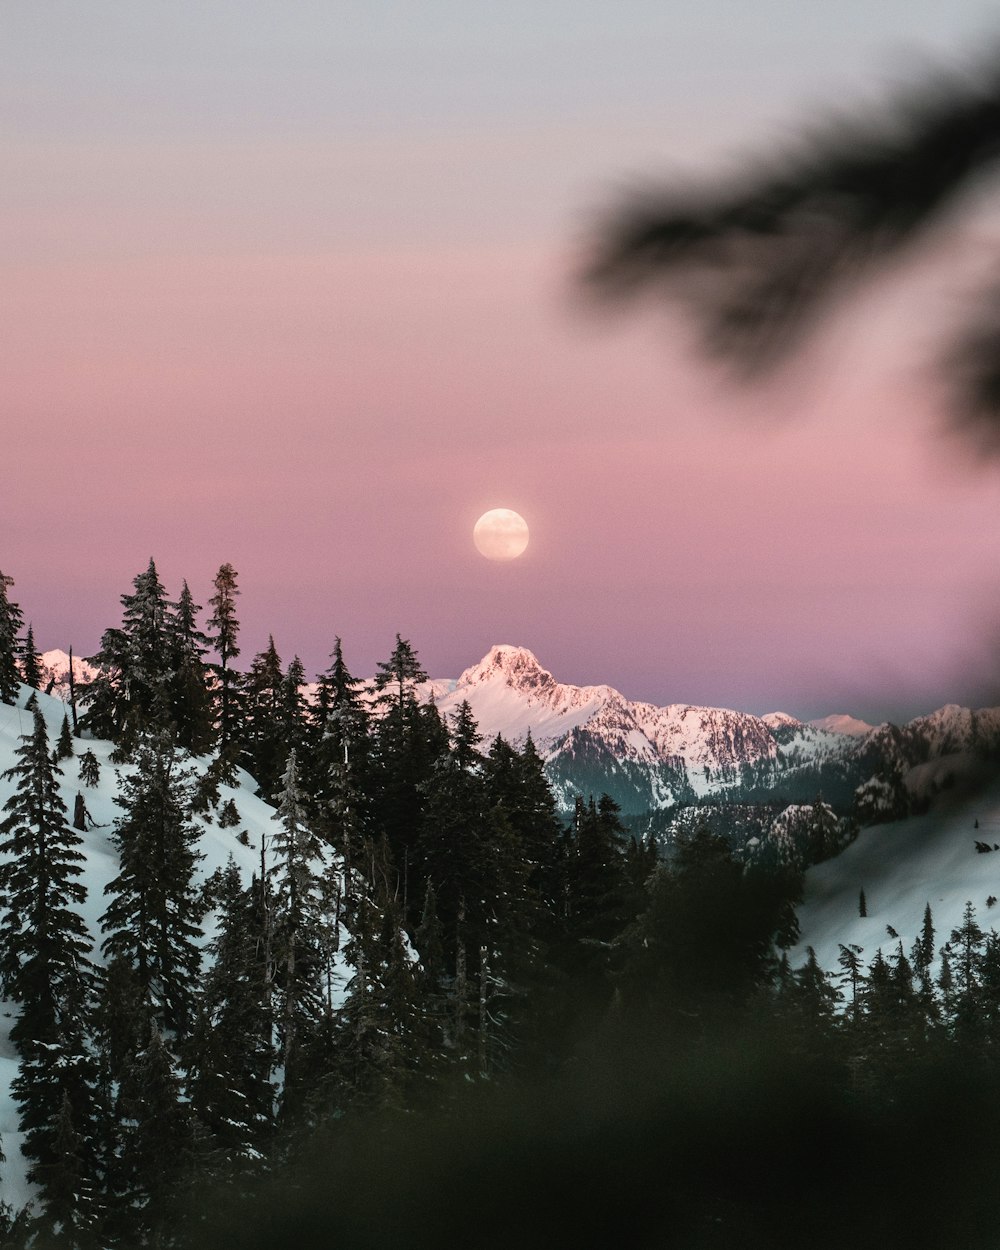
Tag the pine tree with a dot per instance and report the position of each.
(231, 1052)
(190, 700)
(153, 919)
(850, 960)
(130, 695)
(44, 957)
(226, 629)
(339, 754)
(64, 743)
(264, 742)
(155, 1155)
(90, 769)
(968, 945)
(295, 710)
(407, 742)
(11, 621)
(298, 923)
(397, 677)
(31, 662)
(380, 1029)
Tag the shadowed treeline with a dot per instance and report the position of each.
(738, 1143)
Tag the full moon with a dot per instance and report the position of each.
(501, 534)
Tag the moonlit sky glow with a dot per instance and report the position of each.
(290, 286)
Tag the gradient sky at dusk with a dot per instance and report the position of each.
(291, 286)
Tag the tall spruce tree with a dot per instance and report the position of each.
(224, 638)
(45, 967)
(154, 1161)
(190, 700)
(380, 1028)
(339, 756)
(265, 746)
(298, 922)
(407, 741)
(31, 661)
(154, 916)
(130, 694)
(231, 1053)
(11, 621)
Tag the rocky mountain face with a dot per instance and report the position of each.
(656, 760)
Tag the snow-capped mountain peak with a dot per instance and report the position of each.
(839, 723)
(515, 666)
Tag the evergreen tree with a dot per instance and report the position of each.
(298, 922)
(407, 742)
(64, 743)
(190, 700)
(264, 731)
(72, 1200)
(44, 961)
(231, 1049)
(224, 639)
(397, 677)
(130, 695)
(968, 945)
(850, 961)
(597, 886)
(155, 1156)
(90, 769)
(702, 950)
(295, 711)
(153, 919)
(340, 758)
(11, 621)
(31, 662)
(380, 1030)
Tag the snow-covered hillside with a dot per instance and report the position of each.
(902, 867)
(242, 842)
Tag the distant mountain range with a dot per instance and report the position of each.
(654, 760)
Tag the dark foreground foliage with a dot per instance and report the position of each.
(736, 1142)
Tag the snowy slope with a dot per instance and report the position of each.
(901, 867)
(101, 866)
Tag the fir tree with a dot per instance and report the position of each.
(379, 1030)
(11, 621)
(44, 958)
(31, 662)
(90, 769)
(340, 757)
(407, 742)
(153, 919)
(298, 922)
(190, 701)
(224, 638)
(155, 1155)
(130, 695)
(397, 677)
(264, 738)
(231, 1052)
(64, 743)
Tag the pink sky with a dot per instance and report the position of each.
(250, 316)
